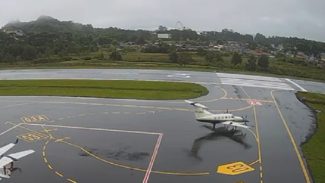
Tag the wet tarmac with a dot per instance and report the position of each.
(111, 140)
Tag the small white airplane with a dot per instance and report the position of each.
(7, 161)
(203, 115)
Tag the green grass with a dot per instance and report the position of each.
(151, 90)
(314, 149)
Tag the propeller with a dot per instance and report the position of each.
(245, 120)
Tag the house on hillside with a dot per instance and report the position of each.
(14, 32)
(322, 57)
(164, 36)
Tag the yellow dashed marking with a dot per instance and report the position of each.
(50, 167)
(72, 181)
(257, 137)
(59, 174)
(134, 168)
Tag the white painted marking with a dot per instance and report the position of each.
(153, 158)
(10, 129)
(179, 75)
(253, 81)
(263, 78)
(294, 83)
(95, 129)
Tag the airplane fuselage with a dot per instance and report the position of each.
(219, 118)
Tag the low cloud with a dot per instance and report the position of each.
(299, 18)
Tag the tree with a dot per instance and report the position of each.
(251, 63)
(115, 55)
(213, 58)
(261, 39)
(29, 53)
(173, 56)
(263, 62)
(184, 58)
(162, 28)
(236, 59)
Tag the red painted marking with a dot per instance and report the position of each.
(153, 158)
(254, 102)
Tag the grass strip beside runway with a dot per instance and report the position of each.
(125, 89)
(314, 149)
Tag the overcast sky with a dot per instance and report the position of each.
(300, 18)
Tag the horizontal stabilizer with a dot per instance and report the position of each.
(195, 104)
(235, 124)
(18, 155)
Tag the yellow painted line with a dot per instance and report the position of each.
(213, 100)
(72, 181)
(96, 129)
(302, 164)
(59, 174)
(245, 99)
(135, 168)
(182, 173)
(50, 167)
(45, 160)
(258, 144)
(232, 110)
(254, 162)
(257, 137)
(43, 153)
(118, 105)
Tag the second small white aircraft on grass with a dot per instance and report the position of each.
(203, 115)
(7, 161)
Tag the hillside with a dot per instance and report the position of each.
(48, 40)
(49, 24)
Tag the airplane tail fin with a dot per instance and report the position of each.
(200, 110)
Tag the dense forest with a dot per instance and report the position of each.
(46, 36)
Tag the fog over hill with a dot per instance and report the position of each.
(289, 18)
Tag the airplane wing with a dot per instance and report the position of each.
(235, 124)
(6, 148)
(18, 155)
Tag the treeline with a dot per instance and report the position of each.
(47, 37)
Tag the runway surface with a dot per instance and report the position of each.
(101, 140)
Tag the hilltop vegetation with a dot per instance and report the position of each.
(48, 42)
